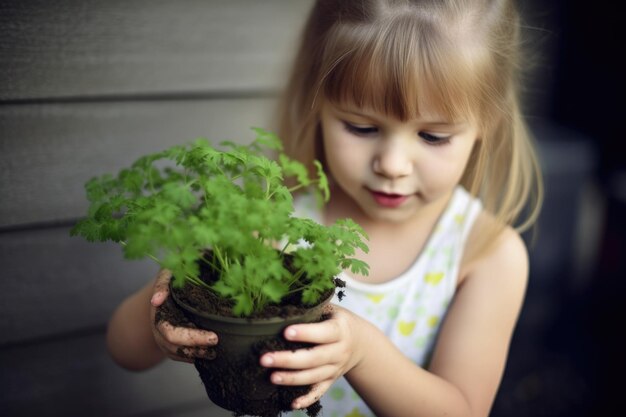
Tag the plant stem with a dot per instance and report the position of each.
(296, 277)
(149, 255)
(209, 262)
(282, 251)
(222, 259)
(190, 278)
(299, 186)
(196, 281)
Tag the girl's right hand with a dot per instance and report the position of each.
(178, 343)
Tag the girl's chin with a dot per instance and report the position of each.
(387, 214)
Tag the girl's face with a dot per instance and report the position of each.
(393, 169)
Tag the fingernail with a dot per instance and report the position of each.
(277, 379)
(155, 298)
(290, 333)
(267, 360)
(211, 339)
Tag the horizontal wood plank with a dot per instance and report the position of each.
(48, 152)
(76, 377)
(75, 48)
(53, 283)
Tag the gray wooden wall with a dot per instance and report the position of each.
(86, 87)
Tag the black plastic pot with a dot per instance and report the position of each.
(240, 342)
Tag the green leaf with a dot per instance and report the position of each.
(293, 168)
(323, 181)
(132, 180)
(171, 206)
(89, 229)
(275, 290)
(267, 139)
(311, 295)
(224, 290)
(356, 266)
(179, 195)
(243, 305)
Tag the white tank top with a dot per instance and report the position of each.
(410, 308)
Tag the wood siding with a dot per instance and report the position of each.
(86, 87)
(93, 49)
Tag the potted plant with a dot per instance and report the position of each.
(243, 265)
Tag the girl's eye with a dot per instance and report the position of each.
(360, 130)
(434, 139)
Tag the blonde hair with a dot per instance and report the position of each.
(462, 56)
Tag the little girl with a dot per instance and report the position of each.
(412, 106)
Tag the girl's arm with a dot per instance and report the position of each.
(468, 362)
(136, 343)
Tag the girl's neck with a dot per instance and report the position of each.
(394, 247)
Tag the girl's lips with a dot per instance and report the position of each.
(388, 200)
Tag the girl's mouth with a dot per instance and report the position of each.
(388, 200)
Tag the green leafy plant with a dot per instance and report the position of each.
(178, 205)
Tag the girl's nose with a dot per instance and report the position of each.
(393, 160)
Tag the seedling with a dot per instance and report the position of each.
(232, 209)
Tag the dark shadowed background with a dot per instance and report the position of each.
(88, 86)
(566, 358)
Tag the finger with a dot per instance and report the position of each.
(313, 395)
(161, 287)
(172, 351)
(190, 353)
(305, 377)
(184, 353)
(184, 336)
(317, 333)
(302, 358)
(179, 357)
(329, 310)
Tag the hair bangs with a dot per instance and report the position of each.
(403, 73)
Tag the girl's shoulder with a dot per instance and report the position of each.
(501, 255)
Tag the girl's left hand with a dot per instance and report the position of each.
(338, 350)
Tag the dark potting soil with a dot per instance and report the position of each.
(220, 377)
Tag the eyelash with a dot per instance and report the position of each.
(360, 131)
(430, 139)
(434, 140)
